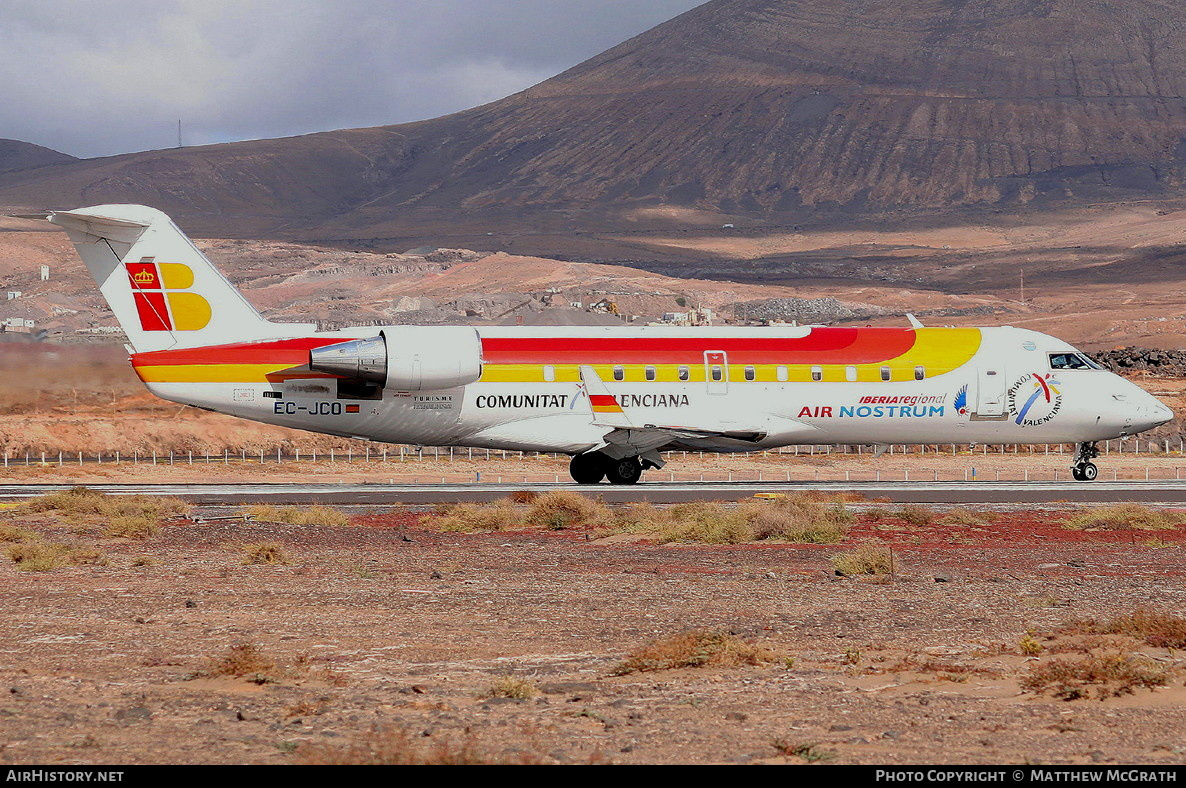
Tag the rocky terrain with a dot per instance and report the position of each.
(382, 639)
(1169, 363)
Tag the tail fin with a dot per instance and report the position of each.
(163, 290)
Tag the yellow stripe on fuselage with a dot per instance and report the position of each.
(937, 350)
(219, 373)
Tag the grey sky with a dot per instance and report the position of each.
(96, 77)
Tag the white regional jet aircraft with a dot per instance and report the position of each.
(612, 398)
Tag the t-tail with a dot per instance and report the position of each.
(164, 292)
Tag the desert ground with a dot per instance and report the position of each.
(381, 638)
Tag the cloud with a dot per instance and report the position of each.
(98, 77)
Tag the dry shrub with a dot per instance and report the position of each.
(700, 522)
(474, 517)
(950, 671)
(266, 553)
(560, 509)
(800, 519)
(83, 501)
(865, 560)
(293, 515)
(307, 708)
(808, 751)
(76, 500)
(1124, 517)
(511, 687)
(966, 517)
(1162, 630)
(1030, 646)
(11, 533)
(241, 659)
(1104, 676)
(42, 557)
(397, 747)
(915, 514)
(693, 649)
(127, 526)
(523, 496)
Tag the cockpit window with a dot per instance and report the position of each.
(1070, 361)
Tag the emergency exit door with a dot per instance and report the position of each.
(716, 371)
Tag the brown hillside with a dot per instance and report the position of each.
(17, 155)
(780, 108)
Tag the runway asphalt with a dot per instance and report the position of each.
(1160, 492)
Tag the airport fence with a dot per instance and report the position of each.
(403, 461)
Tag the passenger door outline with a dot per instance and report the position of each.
(991, 387)
(716, 361)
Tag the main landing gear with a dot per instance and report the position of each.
(591, 468)
(1083, 469)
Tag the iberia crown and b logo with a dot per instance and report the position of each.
(162, 298)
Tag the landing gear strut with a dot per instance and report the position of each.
(1083, 469)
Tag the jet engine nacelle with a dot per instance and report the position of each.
(407, 358)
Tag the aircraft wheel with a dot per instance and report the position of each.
(627, 470)
(1077, 473)
(1088, 472)
(588, 468)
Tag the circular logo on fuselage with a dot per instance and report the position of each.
(1035, 399)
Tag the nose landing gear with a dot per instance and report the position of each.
(1083, 469)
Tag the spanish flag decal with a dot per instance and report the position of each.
(604, 403)
(163, 300)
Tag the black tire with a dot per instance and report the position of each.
(588, 468)
(1077, 473)
(1089, 472)
(627, 470)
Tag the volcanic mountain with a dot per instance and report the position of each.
(771, 109)
(17, 155)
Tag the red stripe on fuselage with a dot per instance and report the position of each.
(821, 346)
(284, 351)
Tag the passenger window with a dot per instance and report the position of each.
(684, 374)
(717, 374)
(750, 373)
(549, 373)
(850, 373)
(817, 373)
(650, 372)
(783, 377)
(619, 373)
(885, 373)
(920, 373)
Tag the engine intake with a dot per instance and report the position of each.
(406, 358)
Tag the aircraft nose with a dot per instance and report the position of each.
(1152, 412)
(1160, 413)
